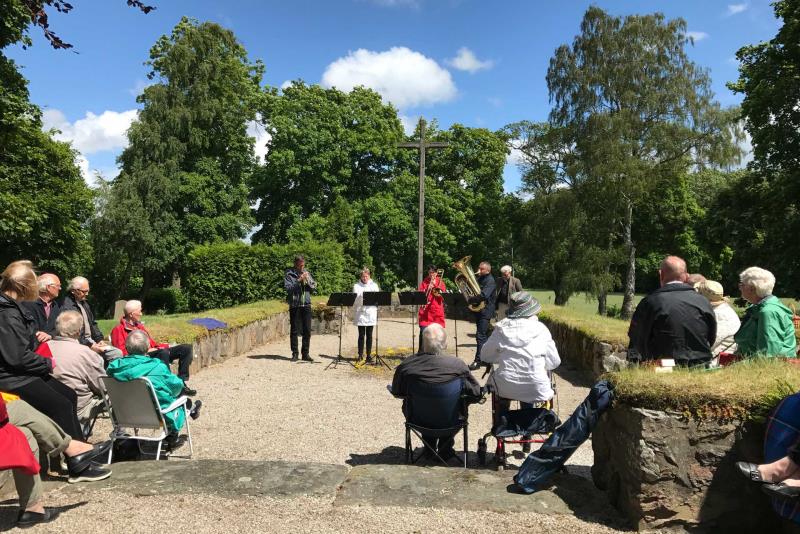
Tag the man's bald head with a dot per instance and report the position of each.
(673, 269)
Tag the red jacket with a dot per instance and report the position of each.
(121, 331)
(433, 312)
(16, 451)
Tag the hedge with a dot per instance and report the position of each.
(226, 274)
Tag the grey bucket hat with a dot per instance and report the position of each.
(523, 305)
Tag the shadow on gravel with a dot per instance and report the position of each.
(391, 455)
(586, 501)
(270, 357)
(9, 510)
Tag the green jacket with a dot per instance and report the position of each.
(767, 329)
(168, 386)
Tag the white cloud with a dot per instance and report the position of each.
(402, 76)
(287, 83)
(262, 138)
(409, 123)
(93, 133)
(515, 157)
(735, 9)
(138, 87)
(466, 60)
(697, 36)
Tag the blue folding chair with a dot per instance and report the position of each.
(435, 410)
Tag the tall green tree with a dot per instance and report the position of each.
(637, 109)
(325, 144)
(185, 171)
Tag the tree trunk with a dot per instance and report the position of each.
(147, 284)
(630, 278)
(602, 303)
(561, 291)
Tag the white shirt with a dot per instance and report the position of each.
(364, 315)
(522, 351)
(728, 324)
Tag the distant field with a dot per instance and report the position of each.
(581, 301)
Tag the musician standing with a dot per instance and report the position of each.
(507, 285)
(433, 310)
(299, 285)
(487, 296)
(364, 317)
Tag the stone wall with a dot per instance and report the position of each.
(583, 352)
(661, 470)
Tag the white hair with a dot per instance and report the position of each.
(137, 343)
(44, 280)
(434, 339)
(69, 324)
(132, 305)
(78, 280)
(761, 280)
(505, 269)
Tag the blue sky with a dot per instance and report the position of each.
(467, 61)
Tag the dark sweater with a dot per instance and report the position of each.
(433, 369)
(673, 321)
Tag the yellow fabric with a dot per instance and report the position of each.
(9, 397)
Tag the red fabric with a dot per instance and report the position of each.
(16, 451)
(121, 331)
(726, 358)
(44, 350)
(433, 312)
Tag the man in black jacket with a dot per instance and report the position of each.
(44, 309)
(487, 296)
(90, 335)
(673, 321)
(299, 286)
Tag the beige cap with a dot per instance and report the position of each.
(711, 290)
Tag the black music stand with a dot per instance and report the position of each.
(378, 298)
(455, 300)
(413, 298)
(341, 300)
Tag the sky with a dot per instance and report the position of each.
(477, 63)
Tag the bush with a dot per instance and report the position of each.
(167, 300)
(225, 274)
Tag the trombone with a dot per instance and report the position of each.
(433, 289)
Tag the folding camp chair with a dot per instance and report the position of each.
(434, 410)
(134, 406)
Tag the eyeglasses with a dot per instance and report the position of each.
(82, 291)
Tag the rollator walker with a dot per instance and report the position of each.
(523, 426)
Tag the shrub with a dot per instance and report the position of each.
(166, 300)
(225, 274)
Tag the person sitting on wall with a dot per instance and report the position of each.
(767, 328)
(132, 320)
(168, 387)
(44, 309)
(433, 366)
(673, 321)
(77, 366)
(91, 335)
(728, 322)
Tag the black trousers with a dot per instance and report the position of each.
(300, 325)
(482, 327)
(182, 353)
(55, 400)
(364, 332)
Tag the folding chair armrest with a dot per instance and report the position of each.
(180, 401)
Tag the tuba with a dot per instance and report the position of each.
(467, 283)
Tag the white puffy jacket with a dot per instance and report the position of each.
(364, 315)
(522, 351)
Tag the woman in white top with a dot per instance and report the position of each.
(728, 322)
(364, 317)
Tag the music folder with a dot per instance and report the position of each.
(453, 299)
(377, 298)
(341, 299)
(412, 298)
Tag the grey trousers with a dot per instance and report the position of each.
(42, 432)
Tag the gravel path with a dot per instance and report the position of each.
(261, 406)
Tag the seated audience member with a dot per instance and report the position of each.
(433, 366)
(77, 366)
(82, 458)
(168, 387)
(695, 279)
(23, 372)
(44, 309)
(767, 328)
(673, 321)
(132, 320)
(91, 335)
(727, 321)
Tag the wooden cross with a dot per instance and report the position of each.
(421, 145)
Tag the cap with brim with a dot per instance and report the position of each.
(523, 304)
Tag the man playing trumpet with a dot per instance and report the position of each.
(433, 310)
(299, 284)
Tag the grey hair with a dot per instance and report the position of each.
(75, 281)
(364, 270)
(761, 280)
(137, 343)
(487, 264)
(43, 281)
(434, 339)
(132, 305)
(505, 269)
(69, 324)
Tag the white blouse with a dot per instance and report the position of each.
(364, 315)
